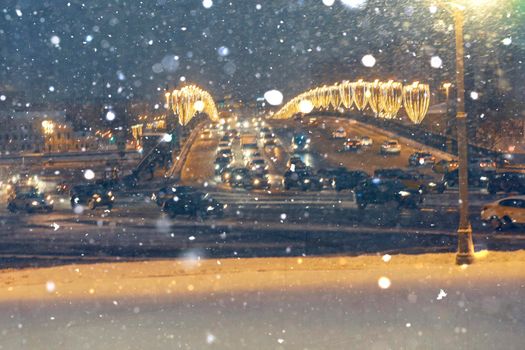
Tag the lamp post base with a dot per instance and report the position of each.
(465, 254)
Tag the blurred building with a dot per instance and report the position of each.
(41, 131)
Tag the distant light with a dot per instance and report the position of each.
(50, 286)
(183, 78)
(368, 61)
(306, 106)
(55, 40)
(384, 282)
(507, 41)
(89, 38)
(199, 106)
(354, 4)
(3, 98)
(207, 3)
(18, 12)
(167, 138)
(258, 7)
(474, 95)
(386, 257)
(89, 174)
(436, 62)
(274, 97)
(328, 2)
(433, 9)
(51, 88)
(110, 116)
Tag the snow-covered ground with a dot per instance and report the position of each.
(367, 302)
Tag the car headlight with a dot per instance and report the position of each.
(153, 197)
(216, 166)
(256, 181)
(51, 202)
(483, 178)
(404, 193)
(225, 206)
(294, 146)
(48, 198)
(432, 184)
(226, 176)
(306, 181)
(112, 198)
(110, 193)
(238, 177)
(34, 203)
(98, 199)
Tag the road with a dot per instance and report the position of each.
(257, 223)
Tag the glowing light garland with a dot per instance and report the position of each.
(190, 100)
(385, 99)
(416, 98)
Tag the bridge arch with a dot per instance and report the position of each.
(385, 99)
(189, 101)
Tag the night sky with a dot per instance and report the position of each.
(54, 49)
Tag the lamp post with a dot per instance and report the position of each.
(465, 252)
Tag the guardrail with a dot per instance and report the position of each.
(175, 171)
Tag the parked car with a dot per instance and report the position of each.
(421, 159)
(486, 164)
(505, 212)
(225, 153)
(341, 178)
(445, 166)
(352, 145)
(169, 192)
(223, 145)
(194, 204)
(411, 179)
(390, 147)
(303, 179)
(340, 133)
(28, 199)
(259, 181)
(476, 179)
(221, 164)
(507, 182)
(238, 177)
(296, 162)
(382, 191)
(366, 141)
(92, 196)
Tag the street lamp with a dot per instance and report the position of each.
(465, 253)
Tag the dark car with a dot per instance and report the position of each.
(296, 162)
(92, 195)
(169, 192)
(349, 180)
(237, 177)
(259, 181)
(193, 203)
(352, 145)
(421, 159)
(507, 182)
(303, 179)
(221, 164)
(382, 191)
(29, 199)
(476, 179)
(411, 179)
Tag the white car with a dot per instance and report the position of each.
(366, 141)
(390, 147)
(504, 212)
(339, 134)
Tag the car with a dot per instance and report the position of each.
(390, 147)
(352, 145)
(257, 166)
(267, 135)
(296, 162)
(366, 141)
(349, 180)
(383, 191)
(92, 196)
(413, 180)
(303, 179)
(29, 199)
(259, 181)
(62, 188)
(221, 164)
(507, 182)
(269, 144)
(206, 134)
(444, 166)
(476, 179)
(225, 153)
(340, 133)
(223, 145)
(226, 140)
(300, 143)
(265, 130)
(194, 204)
(168, 192)
(421, 159)
(487, 164)
(505, 212)
(237, 177)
